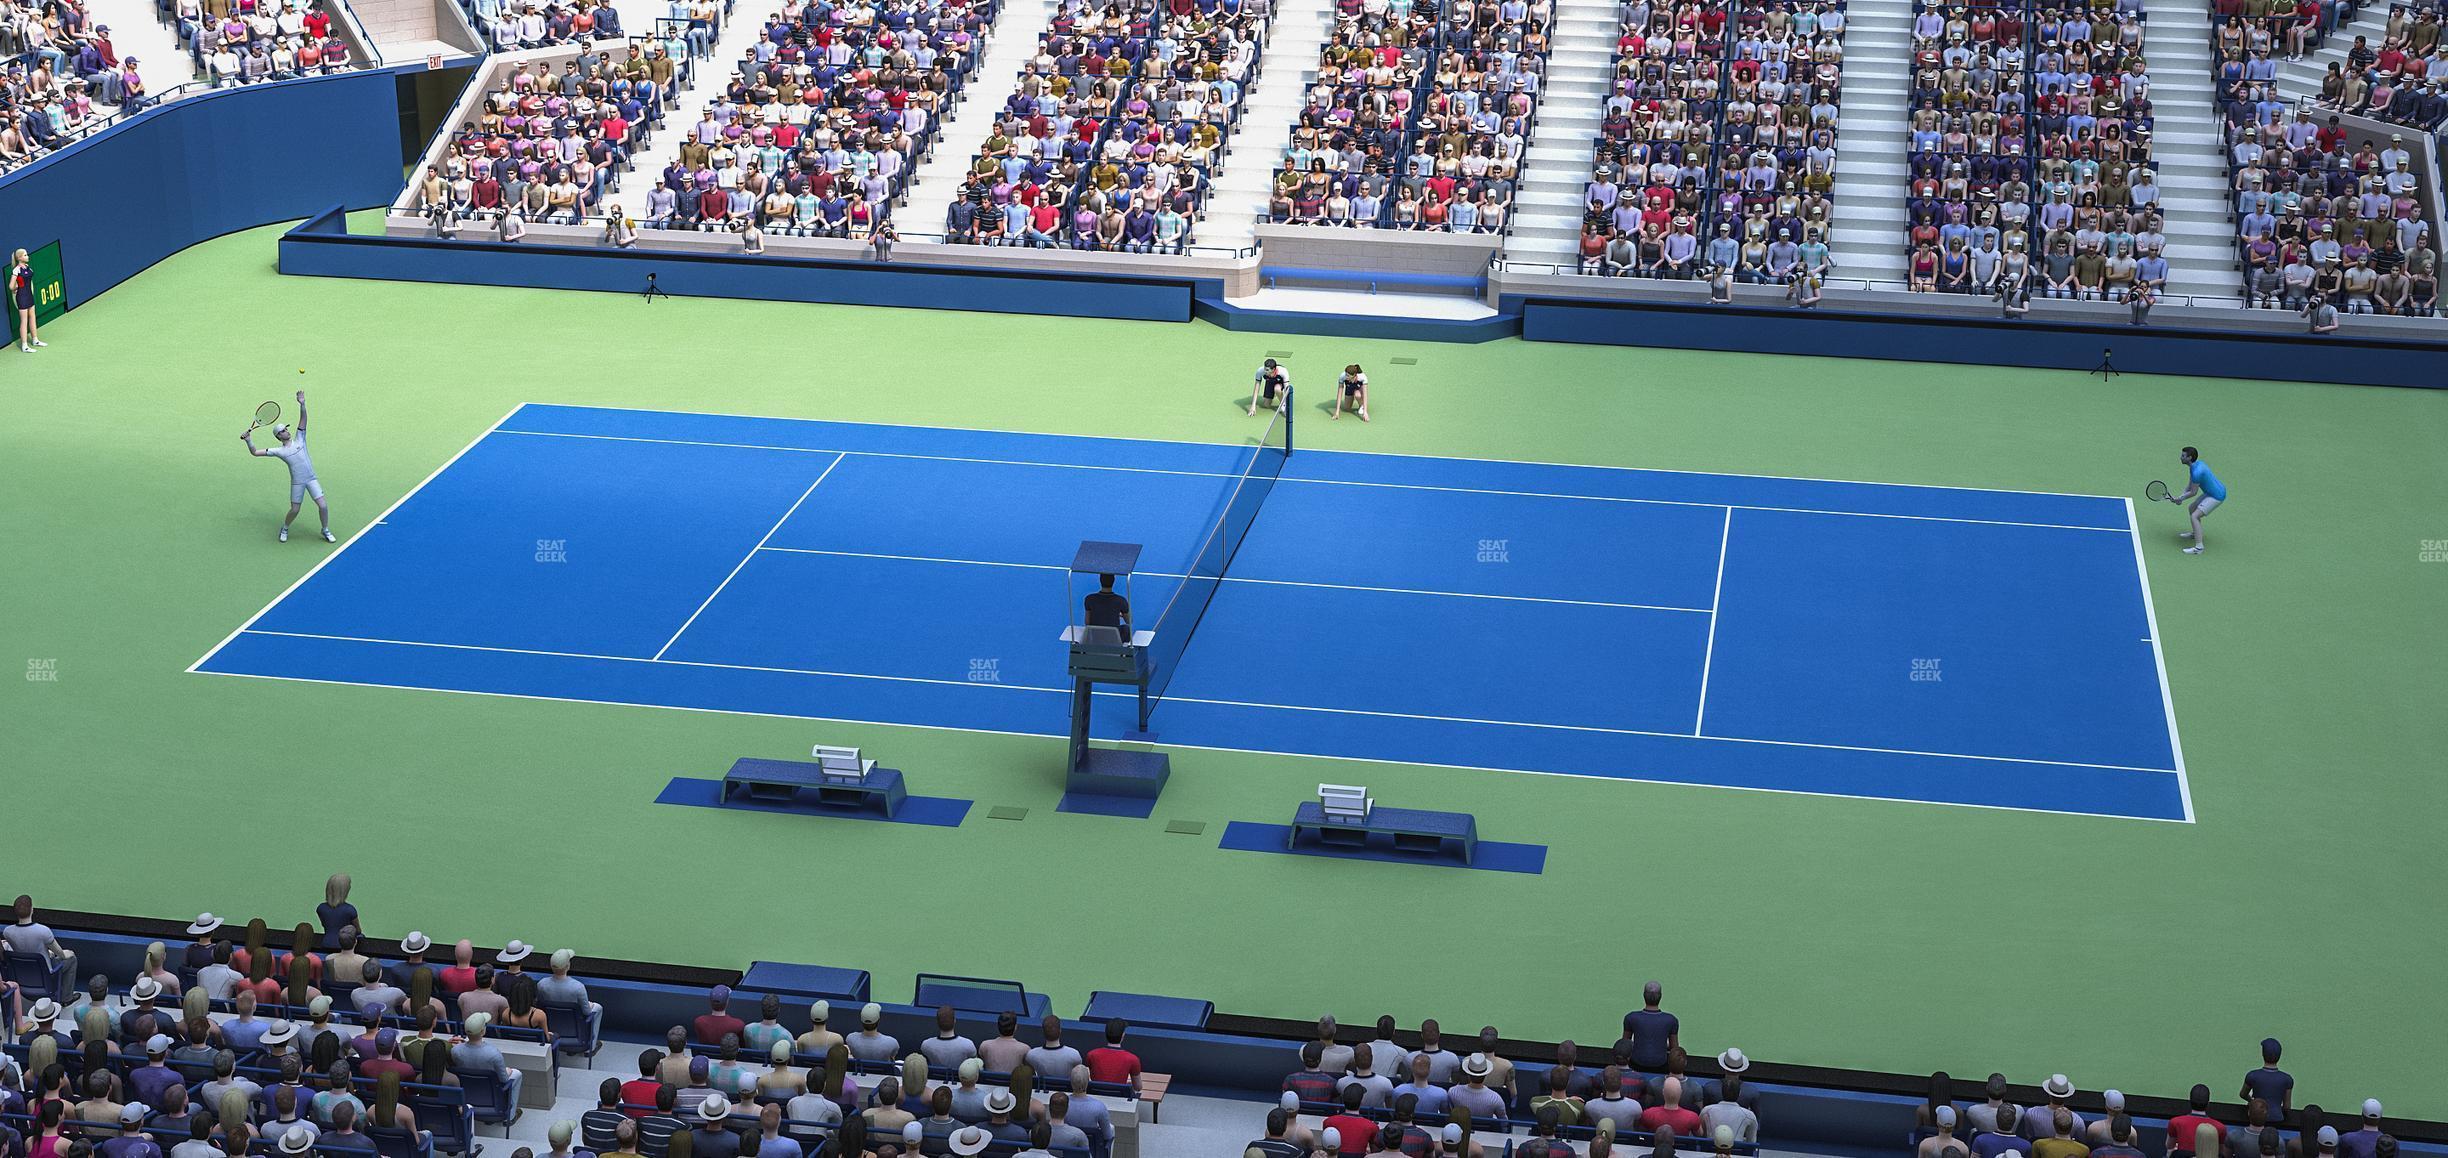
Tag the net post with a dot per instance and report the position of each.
(1288, 415)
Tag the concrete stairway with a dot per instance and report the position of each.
(967, 124)
(683, 111)
(137, 31)
(1871, 134)
(2201, 250)
(1563, 147)
(1256, 146)
(404, 30)
(2302, 78)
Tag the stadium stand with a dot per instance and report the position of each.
(2031, 136)
(1418, 118)
(229, 1044)
(1719, 145)
(1112, 135)
(65, 77)
(550, 142)
(817, 128)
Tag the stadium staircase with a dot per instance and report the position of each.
(1238, 201)
(405, 30)
(138, 30)
(1009, 45)
(2201, 248)
(713, 74)
(2301, 79)
(1564, 144)
(1871, 138)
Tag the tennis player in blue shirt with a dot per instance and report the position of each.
(2201, 482)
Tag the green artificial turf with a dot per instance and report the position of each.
(2305, 653)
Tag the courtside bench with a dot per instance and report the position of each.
(1414, 831)
(788, 781)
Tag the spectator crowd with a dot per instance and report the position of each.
(1717, 153)
(1419, 116)
(1112, 136)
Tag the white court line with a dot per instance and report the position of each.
(752, 553)
(1716, 601)
(1252, 579)
(379, 520)
(2167, 698)
(807, 671)
(875, 453)
(1200, 747)
(1338, 482)
(1322, 450)
(1590, 728)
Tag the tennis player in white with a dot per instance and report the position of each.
(302, 481)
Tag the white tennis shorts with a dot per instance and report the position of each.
(299, 490)
(2201, 506)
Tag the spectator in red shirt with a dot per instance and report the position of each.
(460, 977)
(1670, 1113)
(717, 1023)
(386, 1058)
(637, 1095)
(1311, 1083)
(1354, 1129)
(2181, 1128)
(1110, 1062)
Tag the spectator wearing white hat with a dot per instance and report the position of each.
(413, 948)
(2098, 1133)
(2363, 1142)
(299, 1140)
(132, 1141)
(870, 1043)
(711, 1136)
(148, 1082)
(1936, 1145)
(1473, 1095)
(1000, 1109)
(969, 1140)
(472, 1053)
(2120, 1143)
(2042, 1120)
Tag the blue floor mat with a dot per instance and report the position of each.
(938, 811)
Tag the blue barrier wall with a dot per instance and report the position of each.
(1974, 342)
(209, 164)
(322, 248)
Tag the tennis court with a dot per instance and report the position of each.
(1971, 647)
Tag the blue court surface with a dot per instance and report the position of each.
(1968, 647)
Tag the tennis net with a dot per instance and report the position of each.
(1205, 573)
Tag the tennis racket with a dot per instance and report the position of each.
(2157, 492)
(269, 413)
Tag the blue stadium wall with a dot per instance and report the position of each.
(197, 168)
